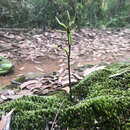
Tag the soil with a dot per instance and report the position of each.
(35, 50)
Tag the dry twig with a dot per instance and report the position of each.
(53, 124)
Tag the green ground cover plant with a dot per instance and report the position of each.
(102, 101)
(5, 66)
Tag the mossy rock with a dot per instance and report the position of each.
(5, 66)
(102, 102)
(100, 80)
(31, 112)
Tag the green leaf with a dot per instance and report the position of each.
(72, 22)
(5, 66)
(1, 58)
(68, 15)
(61, 31)
(62, 24)
(64, 49)
(70, 38)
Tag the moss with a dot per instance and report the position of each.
(118, 67)
(100, 80)
(31, 111)
(81, 89)
(103, 102)
(105, 110)
(21, 79)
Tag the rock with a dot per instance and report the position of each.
(5, 66)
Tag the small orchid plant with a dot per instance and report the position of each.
(67, 51)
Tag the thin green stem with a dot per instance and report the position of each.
(69, 73)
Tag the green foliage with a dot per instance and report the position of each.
(105, 112)
(99, 81)
(5, 66)
(41, 13)
(31, 112)
(102, 102)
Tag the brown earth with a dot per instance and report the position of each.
(35, 50)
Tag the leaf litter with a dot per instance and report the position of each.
(89, 45)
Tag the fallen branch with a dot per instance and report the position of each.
(53, 124)
(119, 74)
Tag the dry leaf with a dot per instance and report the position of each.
(78, 77)
(90, 70)
(65, 82)
(40, 69)
(35, 91)
(61, 70)
(4, 121)
(22, 68)
(66, 89)
(25, 84)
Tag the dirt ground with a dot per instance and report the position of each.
(36, 50)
